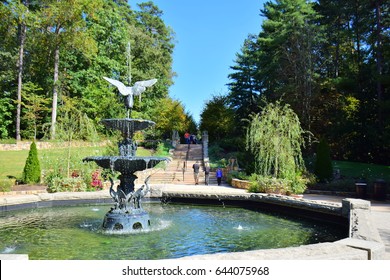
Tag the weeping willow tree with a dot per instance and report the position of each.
(74, 124)
(275, 138)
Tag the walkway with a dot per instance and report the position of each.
(380, 213)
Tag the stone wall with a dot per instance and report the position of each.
(25, 145)
(240, 184)
(205, 150)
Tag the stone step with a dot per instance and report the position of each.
(184, 156)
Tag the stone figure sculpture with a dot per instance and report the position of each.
(118, 196)
(129, 92)
(140, 193)
(130, 201)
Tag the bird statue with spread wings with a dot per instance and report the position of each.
(129, 92)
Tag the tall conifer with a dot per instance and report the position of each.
(323, 165)
(32, 168)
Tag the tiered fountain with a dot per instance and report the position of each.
(127, 213)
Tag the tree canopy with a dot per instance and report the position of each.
(329, 60)
(64, 48)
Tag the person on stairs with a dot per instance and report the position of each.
(187, 137)
(219, 174)
(206, 173)
(196, 167)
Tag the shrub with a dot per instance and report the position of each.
(236, 174)
(84, 178)
(8, 141)
(58, 184)
(298, 185)
(163, 148)
(323, 165)
(265, 184)
(32, 168)
(6, 185)
(96, 182)
(150, 144)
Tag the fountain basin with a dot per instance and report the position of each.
(127, 126)
(177, 230)
(126, 164)
(339, 250)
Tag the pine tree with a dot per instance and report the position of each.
(323, 166)
(32, 169)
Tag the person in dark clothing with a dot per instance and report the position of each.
(187, 137)
(196, 167)
(219, 175)
(206, 174)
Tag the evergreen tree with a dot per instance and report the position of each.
(32, 168)
(245, 87)
(152, 54)
(323, 168)
(288, 56)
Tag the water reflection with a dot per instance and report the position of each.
(176, 231)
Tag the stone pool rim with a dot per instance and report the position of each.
(363, 243)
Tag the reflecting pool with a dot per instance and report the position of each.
(178, 230)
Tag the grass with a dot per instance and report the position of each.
(357, 170)
(352, 172)
(12, 162)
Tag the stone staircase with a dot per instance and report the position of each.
(179, 170)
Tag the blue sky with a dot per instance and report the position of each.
(209, 33)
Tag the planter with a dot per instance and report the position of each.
(361, 190)
(240, 184)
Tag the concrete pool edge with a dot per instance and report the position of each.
(363, 243)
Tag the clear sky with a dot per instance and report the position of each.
(209, 33)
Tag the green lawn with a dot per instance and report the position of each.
(351, 172)
(357, 170)
(12, 162)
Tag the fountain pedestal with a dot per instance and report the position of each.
(114, 221)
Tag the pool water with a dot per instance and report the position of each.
(178, 230)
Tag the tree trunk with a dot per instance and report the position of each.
(55, 93)
(23, 30)
(379, 56)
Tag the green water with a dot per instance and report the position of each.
(74, 233)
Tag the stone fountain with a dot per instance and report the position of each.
(127, 212)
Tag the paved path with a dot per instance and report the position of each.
(380, 211)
